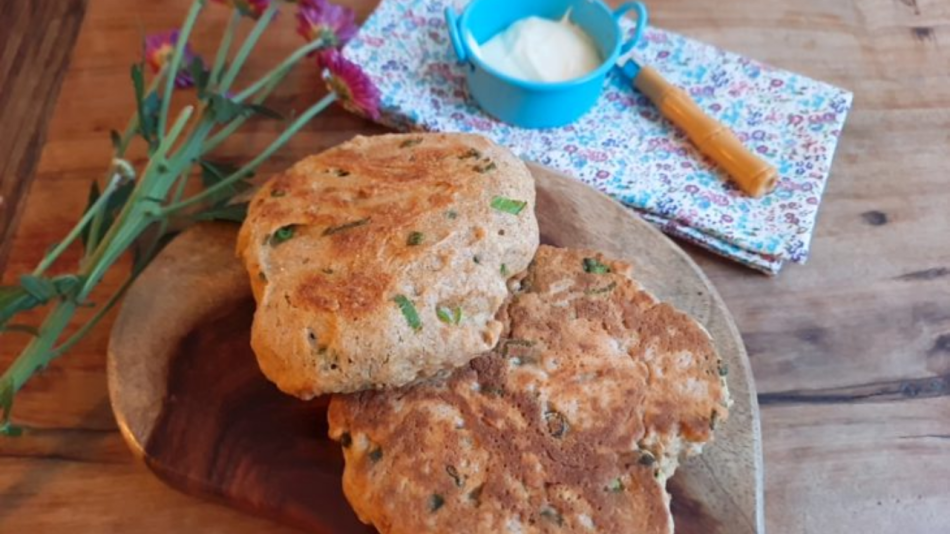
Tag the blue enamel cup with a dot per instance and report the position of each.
(535, 104)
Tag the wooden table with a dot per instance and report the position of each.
(851, 352)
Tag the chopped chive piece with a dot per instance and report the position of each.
(508, 205)
(452, 214)
(261, 276)
(340, 172)
(616, 486)
(477, 259)
(504, 270)
(415, 238)
(346, 440)
(277, 193)
(348, 226)
(552, 515)
(410, 142)
(591, 265)
(556, 423)
(453, 472)
(435, 502)
(646, 458)
(376, 455)
(723, 368)
(408, 311)
(326, 270)
(449, 316)
(606, 289)
(282, 234)
(471, 153)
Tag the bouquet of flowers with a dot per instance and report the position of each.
(132, 210)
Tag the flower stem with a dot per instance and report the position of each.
(246, 47)
(247, 169)
(91, 323)
(38, 353)
(175, 64)
(225, 46)
(221, 135)
(87, 217)
(286, 64)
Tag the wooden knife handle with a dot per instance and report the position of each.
(753, 174)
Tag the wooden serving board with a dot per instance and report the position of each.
(192, 403)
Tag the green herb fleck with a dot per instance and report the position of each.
(477, 259)
(591, 265)
(471, 153)
(616, 486)
(410, 142)
(408, 311)
(552, 515)
(556, 423)
(277, 193)
(435, 502)
(449, 315)
(504, 270)
(261, 276)
(452, 214)
(415, 238)
(344, 227)
(723, 368)
(485, 168)
(453, 472)
(282, 234)
(346, 440)
(340, 172)
(606, 289)
(376, 455)
(508, 205)
(646, 458)
(713, 420)
(326, 270)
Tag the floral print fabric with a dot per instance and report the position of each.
(624, 147)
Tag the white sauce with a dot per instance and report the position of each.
(542, 50)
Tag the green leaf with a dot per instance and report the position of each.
(606, 289)
(223, 109)
(264, 111)
(116, 139)
(6, 404)
(93, 197)
(147, 107)
(593, 266)
(212, 173)
(508, 205)
(200, 75)
(231, 212)
(408, 310)
(22, 328)
(14, 299)
(39, 288)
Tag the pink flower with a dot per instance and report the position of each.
(250, 8)
(352, 86)
(322, 19)
(158, 51)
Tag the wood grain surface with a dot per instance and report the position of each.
(851, 352)
(265, 452)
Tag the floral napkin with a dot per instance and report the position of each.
(624, 147)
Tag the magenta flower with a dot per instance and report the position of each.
(352, 86)
(158, 51)
(322, 19)
(250, 8)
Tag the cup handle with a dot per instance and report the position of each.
(642, 19)
(452, 21)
